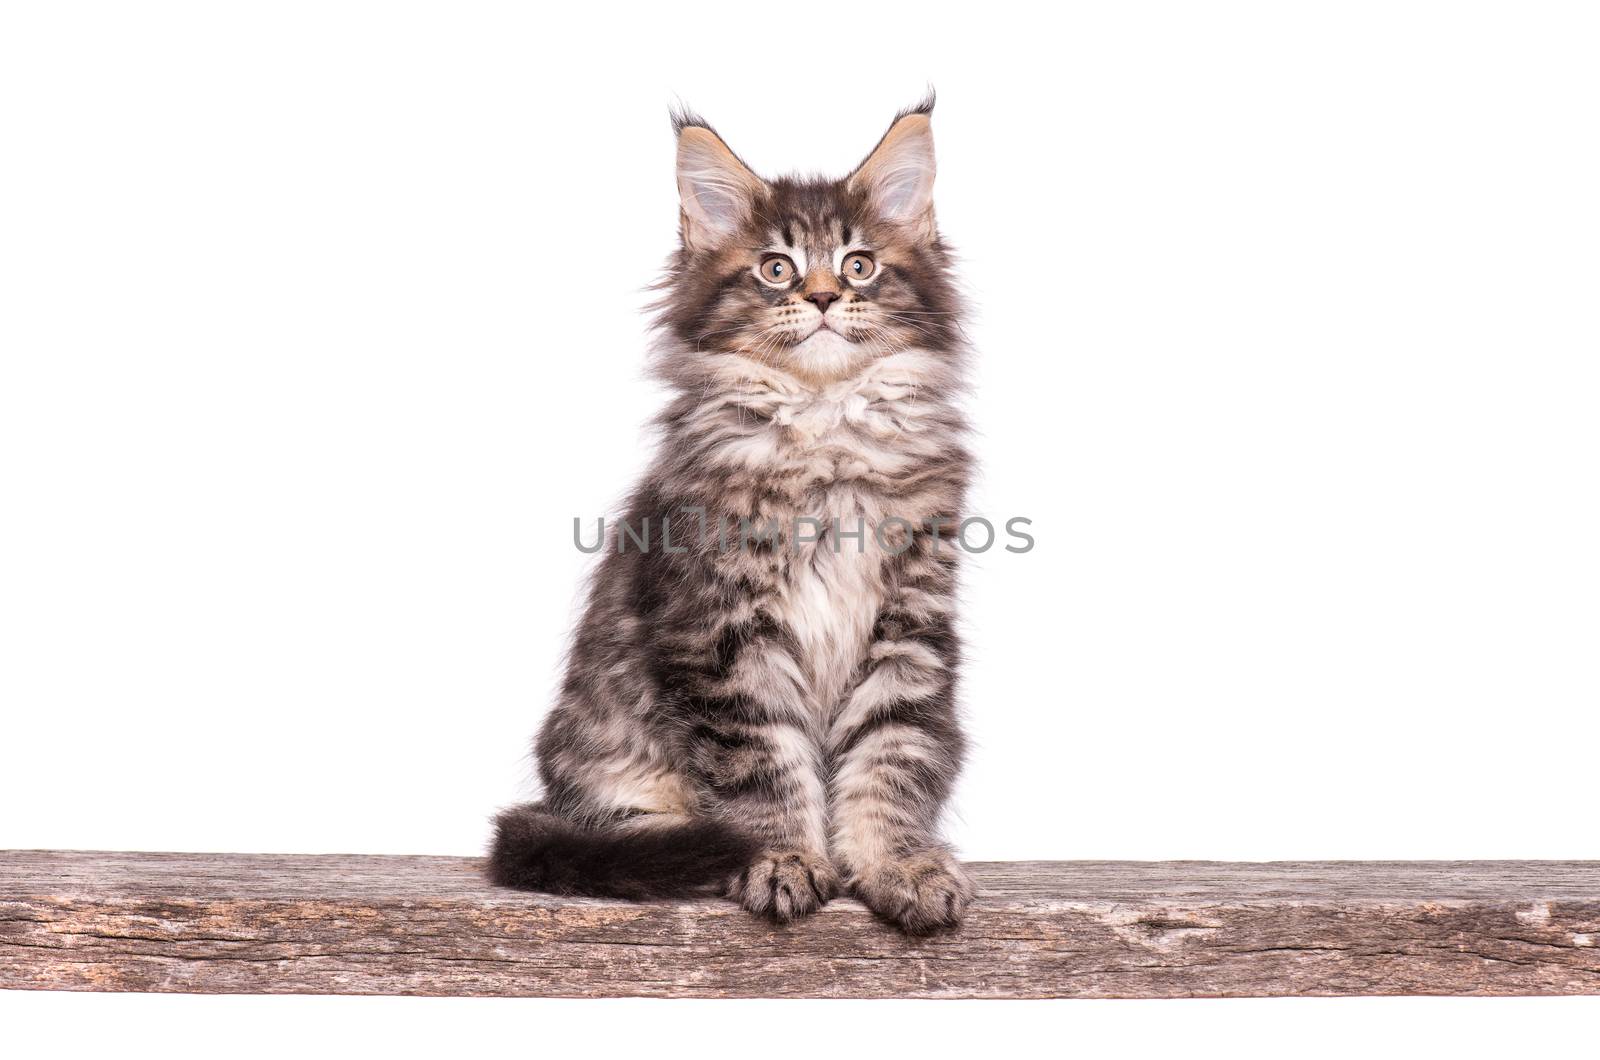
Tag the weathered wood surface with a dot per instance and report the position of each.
(344, 924)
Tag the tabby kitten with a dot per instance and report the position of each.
(759, 700)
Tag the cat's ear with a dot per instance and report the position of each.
(716, 190)
(898, 175)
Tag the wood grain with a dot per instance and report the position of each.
(347, 924)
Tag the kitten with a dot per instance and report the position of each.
(761, 703)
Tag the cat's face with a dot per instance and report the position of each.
(814, 277)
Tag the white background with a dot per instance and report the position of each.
(320, 322)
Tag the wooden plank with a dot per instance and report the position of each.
(346, 924)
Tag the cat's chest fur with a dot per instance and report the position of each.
(833, 465)
(832, 590)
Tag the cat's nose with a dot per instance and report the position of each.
(823, 299)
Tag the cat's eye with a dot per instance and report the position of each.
(859, 266)
(777, 269)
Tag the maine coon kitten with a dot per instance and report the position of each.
(762, 702)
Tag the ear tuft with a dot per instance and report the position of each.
(683, 118)
(924, 106)
(716, 190)
(898, 174)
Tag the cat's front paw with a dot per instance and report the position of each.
(784, 885)
(920, 892)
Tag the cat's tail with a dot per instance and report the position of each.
(537, 850)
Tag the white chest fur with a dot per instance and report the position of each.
(843, 444)
(831, 597)
(835, 451)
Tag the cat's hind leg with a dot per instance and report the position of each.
(616, 820)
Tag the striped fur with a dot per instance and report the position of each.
(789, 705)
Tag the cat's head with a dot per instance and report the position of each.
(815, 277)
